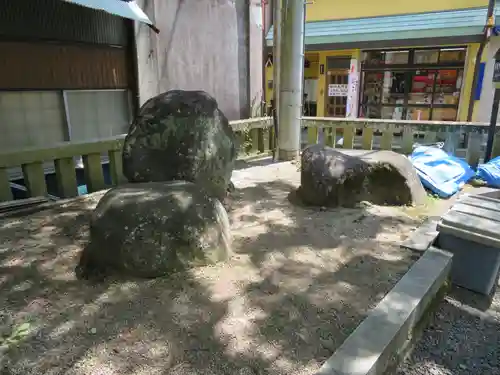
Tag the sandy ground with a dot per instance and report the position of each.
(298, 284)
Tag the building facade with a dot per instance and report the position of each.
(396, 60)
(72, 73)
(66, 73)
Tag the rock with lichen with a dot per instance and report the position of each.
(181, 135)
(155, 229)
(344, 178)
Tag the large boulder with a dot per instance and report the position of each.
(333, 178)
(181, 135)
(155, 229)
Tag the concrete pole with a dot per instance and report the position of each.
(291, 78)
(277, 5)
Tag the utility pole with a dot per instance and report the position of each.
(277, 6)
(291, 72)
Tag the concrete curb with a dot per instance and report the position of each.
(383, 335)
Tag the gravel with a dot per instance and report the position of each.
(463, 338)
(299, 283)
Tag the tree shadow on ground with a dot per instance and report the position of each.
(272, 224)
(269, 310)
(461, 338)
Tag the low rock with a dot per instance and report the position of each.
(6, 323)
(333, 178)
(155, 229)
(181, 135)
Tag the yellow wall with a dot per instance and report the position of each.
(313, 70)
(320, 100)
(309, 73)
(333, 9)
(269, 77)
(463, 107)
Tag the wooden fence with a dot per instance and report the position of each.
(255, 135)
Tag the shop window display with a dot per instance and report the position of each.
(426, 87)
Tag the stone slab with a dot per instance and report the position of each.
(423, 237)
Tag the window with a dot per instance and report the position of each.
(385, 57)
(42, 118)
(426, 56)
(31, 119)
(423, 84)
(97, 114)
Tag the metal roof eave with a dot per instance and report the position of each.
(121, 8)
(456, 23)
(400, 35)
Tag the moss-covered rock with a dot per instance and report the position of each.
(155, 229)
(333, 178)
(181, 135)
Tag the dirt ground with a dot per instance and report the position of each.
(298, 284)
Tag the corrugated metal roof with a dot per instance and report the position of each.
(463, 22)
(60, 21)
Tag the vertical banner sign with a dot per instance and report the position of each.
(352, 90)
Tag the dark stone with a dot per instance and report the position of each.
(231, 188)
(181, 135)
(155, 229)
(333, 178)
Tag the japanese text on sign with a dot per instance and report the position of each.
(337, 90)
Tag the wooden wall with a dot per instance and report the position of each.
(52, 66)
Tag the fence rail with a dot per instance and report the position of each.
(255, 136)
(400, 135)
(252, 133)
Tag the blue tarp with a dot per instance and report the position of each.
(490, 172)
(441, 173)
